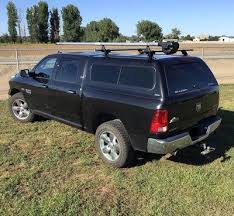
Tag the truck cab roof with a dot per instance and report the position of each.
(157, 57)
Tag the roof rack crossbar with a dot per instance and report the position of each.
(170, 47)
(146, 51)
(107, 51)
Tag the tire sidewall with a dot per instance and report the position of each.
(123, 142)
(11, 100)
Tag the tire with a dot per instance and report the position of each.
(19, 109)
(113, 144)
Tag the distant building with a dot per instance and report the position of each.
(196, 39)
(201, 38)
(226, 39)
(204, 37)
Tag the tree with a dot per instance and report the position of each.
(104, 30)
(175, 34)
(12, 21)
(5, 38)
(150, 31)
(37, 19)
(54, 25)
(187, 37)
(92, 32)
(82, 33)
(32, 18)
(134, 38)
(213, 38)
(108, 30)
(71, 23)
(43, 16)
(122, 38)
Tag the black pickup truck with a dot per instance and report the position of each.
(150, 103)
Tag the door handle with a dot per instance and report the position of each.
(44, 86)
(71, 92)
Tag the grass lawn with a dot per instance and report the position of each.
(48, 168)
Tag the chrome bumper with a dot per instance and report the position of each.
(174, 143)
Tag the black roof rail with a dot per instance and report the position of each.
(168, 48)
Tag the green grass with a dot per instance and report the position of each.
(48, 168)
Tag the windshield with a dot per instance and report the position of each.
(185, 77)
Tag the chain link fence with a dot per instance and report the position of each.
(13, 60)
(19, 58)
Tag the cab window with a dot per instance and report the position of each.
(45, 68)
(69, 70)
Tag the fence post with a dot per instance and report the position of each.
(202, 52)
(17, 59)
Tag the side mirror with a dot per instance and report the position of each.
(24, 73)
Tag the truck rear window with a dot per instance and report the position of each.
(142, 77)
(185, 77)
(130, 76)
(105, 73)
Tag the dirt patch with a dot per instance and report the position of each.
(4, 86)
(223, 70)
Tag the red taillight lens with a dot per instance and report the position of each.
(159, 121)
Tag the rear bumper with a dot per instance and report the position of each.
(180, 141)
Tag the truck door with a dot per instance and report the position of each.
(66, 102)
(38, 91)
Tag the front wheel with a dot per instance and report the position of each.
(113, 144)
(19, 108)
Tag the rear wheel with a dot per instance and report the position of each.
(19, 108)
(113, 144)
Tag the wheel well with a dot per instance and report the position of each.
(14, 91)
(101, 118)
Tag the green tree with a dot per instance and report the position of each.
(43, 16)
(5, 38)
(37, 19)
(213, 38)
(108, 30)
(54, 25)
(134, 38)
(187, 37)
(122, 38)
(71, 23)
(32, 18)
(150, 31)
(12, 21)
(175, 34)
(104, 30)
(92, 32)
(82, 32)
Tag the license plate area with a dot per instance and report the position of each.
(197, 131)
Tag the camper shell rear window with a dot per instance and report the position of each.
(188, 76)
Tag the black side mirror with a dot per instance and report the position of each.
(24, 73)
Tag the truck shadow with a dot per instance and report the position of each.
(222, 140)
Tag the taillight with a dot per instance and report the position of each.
(159, 121)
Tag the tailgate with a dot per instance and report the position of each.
(192, 93)
(185, 112)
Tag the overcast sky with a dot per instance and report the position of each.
(214, 17)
